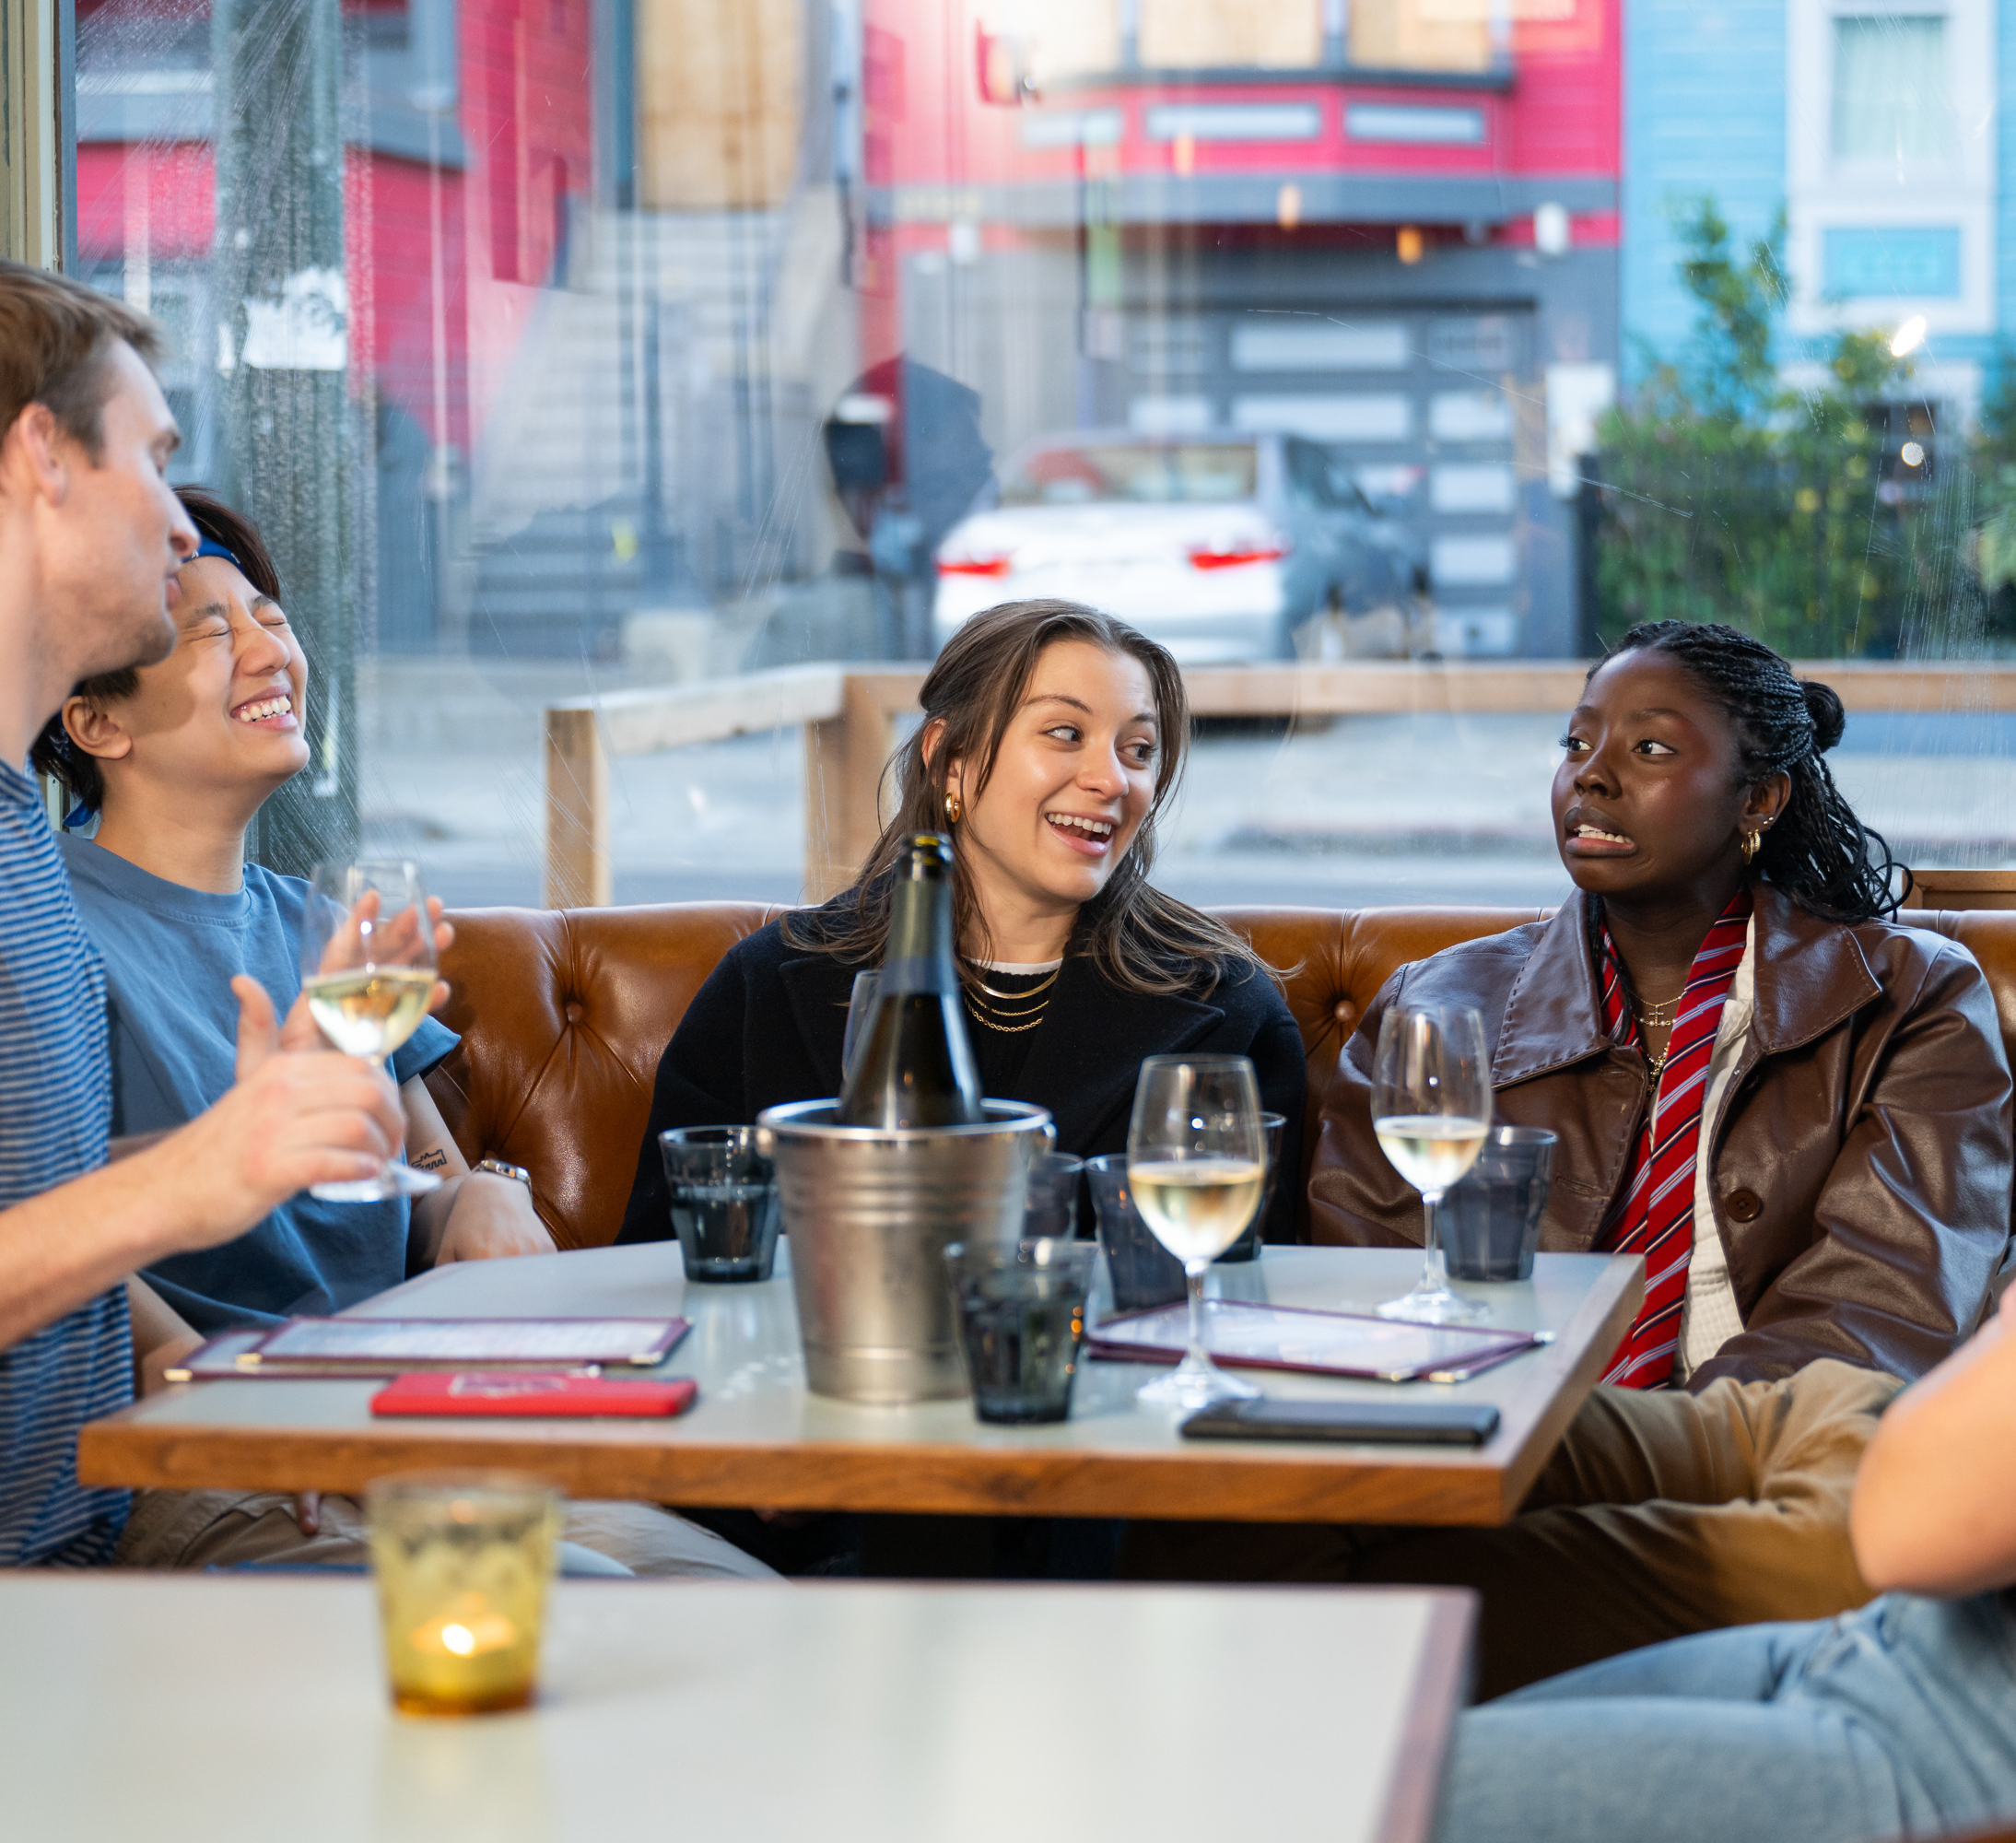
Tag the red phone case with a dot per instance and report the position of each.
(518, 1392)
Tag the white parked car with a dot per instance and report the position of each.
(1221, 548)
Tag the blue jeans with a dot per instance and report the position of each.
(1896, 1721)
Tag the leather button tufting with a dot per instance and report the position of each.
(575, 1011)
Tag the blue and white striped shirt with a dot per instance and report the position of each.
(55, 1111)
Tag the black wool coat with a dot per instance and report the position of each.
(766, 1029)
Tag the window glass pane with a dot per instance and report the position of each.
(1890, 100)
(1151, 473)
(1188, 34)
(578, 353)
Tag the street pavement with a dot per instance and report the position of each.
(1364, 810)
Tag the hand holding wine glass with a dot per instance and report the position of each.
(1431, 1108)
(1196, 1166)
(368, 975)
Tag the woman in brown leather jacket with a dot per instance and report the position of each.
(1838, 1098)
(1852, 1190)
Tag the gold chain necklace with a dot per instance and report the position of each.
(1029, 991)
(986, 1017)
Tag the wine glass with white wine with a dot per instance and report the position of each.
(1196, 1167)
(1431, 1108)
(368, 972)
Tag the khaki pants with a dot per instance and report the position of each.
(1661, 1513)
(230, 1529)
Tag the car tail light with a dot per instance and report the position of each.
(1231, 556)
(975, 566)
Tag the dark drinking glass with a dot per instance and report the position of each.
(1248, 1246)
(1489, 1222)
(1143, 1272)
(1022, 1319)
(915, 1064)
(1050, 1206)
(724, 1201)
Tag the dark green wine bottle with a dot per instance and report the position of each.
(916, 1065)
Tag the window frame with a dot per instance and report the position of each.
(1823, 194)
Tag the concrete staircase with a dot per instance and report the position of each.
(573, 461)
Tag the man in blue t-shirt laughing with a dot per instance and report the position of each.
(175, 758)
(174, 761)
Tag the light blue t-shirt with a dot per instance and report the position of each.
(170, 954)
(55, 1106)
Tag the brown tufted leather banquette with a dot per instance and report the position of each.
(565, 1013)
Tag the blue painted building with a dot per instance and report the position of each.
(1877, 124)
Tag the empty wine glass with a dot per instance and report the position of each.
(1195, 1164)
(1431, 1108)
(368, 973)
(860, 1007)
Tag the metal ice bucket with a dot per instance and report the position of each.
(869, 1214)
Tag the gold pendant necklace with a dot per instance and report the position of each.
(1659, 1016)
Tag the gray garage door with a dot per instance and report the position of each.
(1431, 408)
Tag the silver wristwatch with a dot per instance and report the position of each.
(499, 1169)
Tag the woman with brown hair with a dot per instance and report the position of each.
(1053, 738)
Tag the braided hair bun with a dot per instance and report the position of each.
(1819, 852)
(1823, 706)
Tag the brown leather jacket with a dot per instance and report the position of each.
(1860, 1164)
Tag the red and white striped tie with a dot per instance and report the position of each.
(1658, 1216)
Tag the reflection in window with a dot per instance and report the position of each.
(1890, 98)
(1146, 473)
(1179, 34)
(677, 339)
(1454, 35)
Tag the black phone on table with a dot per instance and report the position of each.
(1383, 1423)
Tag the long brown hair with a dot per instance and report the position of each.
(1142, 940)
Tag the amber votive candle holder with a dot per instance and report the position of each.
(462, 1561)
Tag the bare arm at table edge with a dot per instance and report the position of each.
(290, 1120)
(1935, 1501)
(476, 1216)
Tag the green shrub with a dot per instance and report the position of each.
(1725, 497)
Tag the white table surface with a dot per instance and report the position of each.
(757, 1435)
(155, 1708)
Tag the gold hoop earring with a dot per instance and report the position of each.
(954, 812)
(1753, 844)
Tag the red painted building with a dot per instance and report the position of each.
(455, 220)
(1390, 227)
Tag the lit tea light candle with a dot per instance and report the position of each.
(464, 1635)
(464, 1660)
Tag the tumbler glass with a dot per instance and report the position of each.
(724, 1201)
(1489, 1222)
(1051, 1207)
(1249, 1245)
(1022, 1319)
(1143, 1272)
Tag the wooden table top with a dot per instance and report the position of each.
(758, 1437)
(238, 1709)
